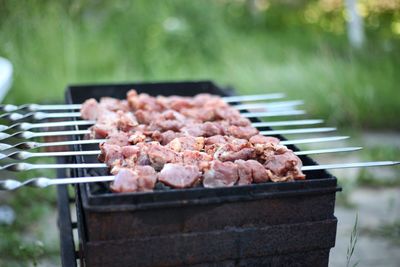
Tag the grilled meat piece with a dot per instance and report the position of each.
(242, 132)
(138, 179)
(118, 138)
(160, 155)
(284, 167)
(110, 153)
(89, 109)
(196, 158)
(213, 128)
(179, 176)
(186, 143)
(200, 114)
(126, 121)
(221, 174)
(245, 172)
(101, 131)
(143, 101)
(232, 152)
(261, 139)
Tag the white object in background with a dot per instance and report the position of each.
(355, 25)
(6, 71)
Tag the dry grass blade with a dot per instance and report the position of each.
(352, 244)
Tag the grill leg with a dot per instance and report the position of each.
(67, 245)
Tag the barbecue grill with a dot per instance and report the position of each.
(269, 224)
(262, 224)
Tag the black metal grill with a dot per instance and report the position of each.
(271, 224)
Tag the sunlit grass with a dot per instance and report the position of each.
(53, 44)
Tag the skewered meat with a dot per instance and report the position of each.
(165, 137)
(143, 101)
(284, 167)
(126, 121)
(160, 155)
(221, 174)
(137, 137)
(184, 141)
(234, 151)
(245, 172)
(89, 109)
(242, 132)
(138, 179)
(118, 138)
(261, 139)
(178, 175)
(110, 153)
(196, 158)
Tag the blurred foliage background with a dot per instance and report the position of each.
(257, 46)
(296, 46)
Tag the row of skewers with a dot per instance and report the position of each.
(26, 117)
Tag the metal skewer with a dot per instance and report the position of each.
(270, 105)
(23, 155)
(37, 107)
(35, 116)
(285, 123)
(23, 166)
(32, 145)
(349, 165)
(313, 140)
(243, 98)
(327, 150)
(25, 126)
(42, 182)
(30, 135)
(38, 115)
(273, 113)
(298, 131)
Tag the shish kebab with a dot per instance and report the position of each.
(228, 99)
(22, 166)
(42, 182)
(42, 115)
(25, 126)
(35, 115)
(30, 135)
(33, 145)
(218, 167)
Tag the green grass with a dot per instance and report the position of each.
(389, 231)
(25, 242)
(368, 178)
(52, 44)
(55, 43)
